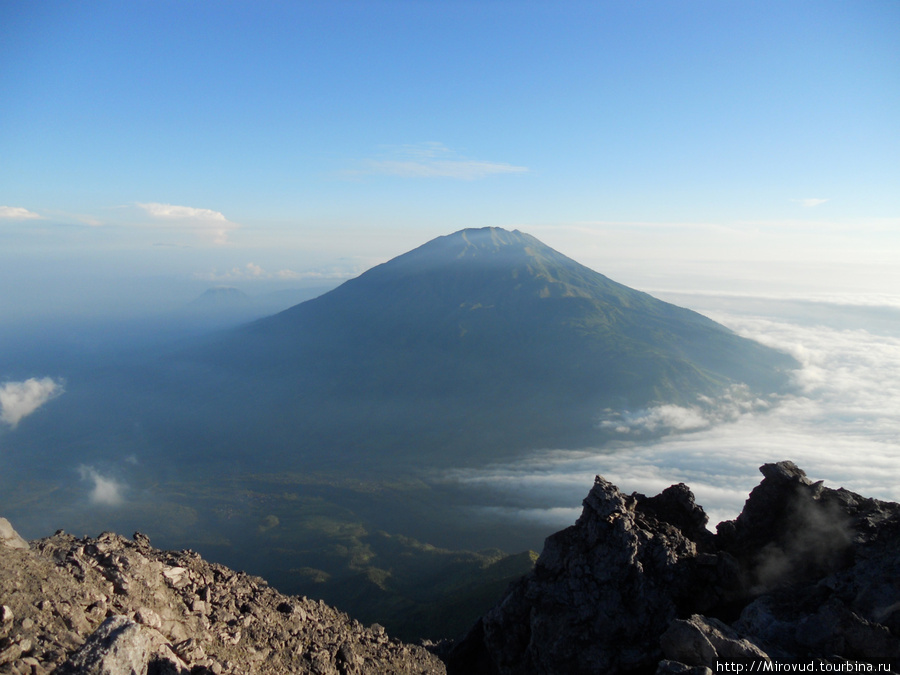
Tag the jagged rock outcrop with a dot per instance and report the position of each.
(639, 585)
(114, 606)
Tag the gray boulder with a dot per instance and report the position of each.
(118, 647)
(699, 641)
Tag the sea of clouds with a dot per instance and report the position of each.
(843, 425)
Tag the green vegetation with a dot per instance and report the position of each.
(316, 534)
(315, 545)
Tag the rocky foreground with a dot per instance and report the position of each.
(115, 606)
(639, 585)
(806, 574)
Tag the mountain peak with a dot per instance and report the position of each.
(489, 265)
(479, 244)
(490, 238)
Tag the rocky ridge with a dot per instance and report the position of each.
(118, 606)
(639, 585)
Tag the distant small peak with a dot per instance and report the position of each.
(219, 295)
(223, 290)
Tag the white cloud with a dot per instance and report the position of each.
(20, 399)
(433, 160)
(708, 412)
(249, 272)
(842, 428)
(550, 517)
(17, 213)
(105, 491)
(810, 203)
(173, 212)
(205, 220)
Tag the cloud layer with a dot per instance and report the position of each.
(17, 213)
(205, 220)
(843, 427)
(20, 399)
(707, 412)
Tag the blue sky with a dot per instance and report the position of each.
(681, 145)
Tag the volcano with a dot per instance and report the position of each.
(478, 343)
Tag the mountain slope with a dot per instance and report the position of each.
(113, 605)
(483, 337)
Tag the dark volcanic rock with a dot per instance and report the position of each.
(113, 606)
(639, 585)
(601, 591)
